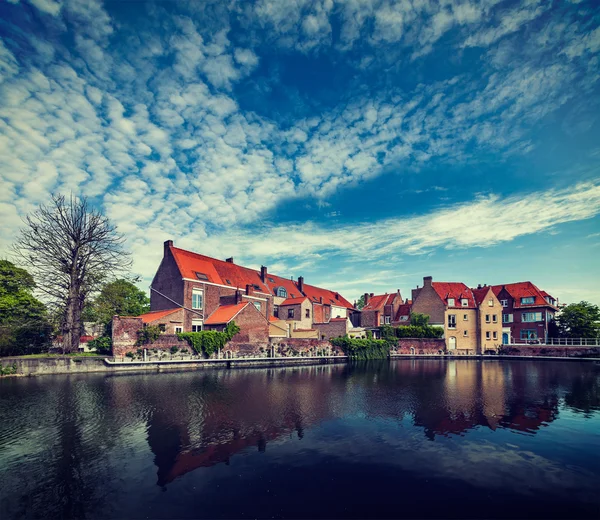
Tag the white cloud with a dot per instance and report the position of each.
(52, 7)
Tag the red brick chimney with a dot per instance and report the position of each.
(366, 298)
(168, 244)
(238, 296)
(249, 290)
(301, 284)
(263, 273)
(337, 296)
(229, 260)
(427, 281)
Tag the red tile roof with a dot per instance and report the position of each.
(403, 310)
(225, 313)
(480, 294)
(456, 290)
(520, 290)
(378, 302)
(156, 315)
(294, 301)
(329, 297)
(338, 319)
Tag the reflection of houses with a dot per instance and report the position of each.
(526, 312)
(192, 292)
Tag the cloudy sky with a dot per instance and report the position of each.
(362, 144)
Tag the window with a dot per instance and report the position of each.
(196, 325)
(290, 314)
(276, 311)
(531, 316)
(527, 300)
(494, 318)
(487, 318)
(487, 335)
(380, 320)
(257, 305)
(465, 333)
(228, 281)
(504, 303)
(495, 335)
(507, 318)
(196, 298)
(528, 334)
(465, 317)
(403, 318)
(178, 329)
(201, 276)
(271, 280)
(451, 321)
(257, 287)
(281, 292)
(450, 302)
(464, 302)
(292, 295)
(387, 320)
(162, 327)
(308, 313)
(491, 302)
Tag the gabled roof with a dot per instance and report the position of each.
(456, 290)
(379, 302)
(329, 297)
(403, 310)
(294, 301)
(520, 290)
(156, 315)
(225, 313)
(289, 285)
(480, 294)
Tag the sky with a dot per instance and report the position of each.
(362, 144)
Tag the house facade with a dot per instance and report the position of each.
(380, 309)
(526, 312)
(470, 323)
(207, 293)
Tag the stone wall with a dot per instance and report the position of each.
(421, 346)
(292, 347)
(550, 351)
(333, 329)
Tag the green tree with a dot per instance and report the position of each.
(24, 326)
(119, 297)
(71, 250)
(361, 302)
(420, 320)
(579, 320)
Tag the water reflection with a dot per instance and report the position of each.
(100, 446)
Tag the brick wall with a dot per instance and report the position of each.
(333, 329)
(484, 327)
(428, 302)
(369, 319)
(254, 327)
(469, 343)
(421, 346)
(285, 347)
(125, 337)
(168, 282)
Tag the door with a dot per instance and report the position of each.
(451, 343)
(505, 338)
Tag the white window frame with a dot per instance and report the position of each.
(537, 316)
(387, 320)
(451, 302)
(178, 328)
(452, 319)
(196, 324)
(488, 335)
(509, 318)
(197, 292)
(491, 302)
(464, 302)
(504, 303)
(465, 317)
(495, 334)
(465, 333)
(494, 318)
(257, 305)
(488, 318)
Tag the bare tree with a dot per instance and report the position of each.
(70, 249)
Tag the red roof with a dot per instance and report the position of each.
(338, 319)
(329, 297)
(403, 310)
(225, 313)
(456, 290)
(480, 294)
(273, 318)
(294, 301)
(523, 290)
(378, 302)
(156, 315)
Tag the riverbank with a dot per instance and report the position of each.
(54, 365)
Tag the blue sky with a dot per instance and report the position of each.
(362, 144)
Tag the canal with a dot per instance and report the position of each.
(401, 438)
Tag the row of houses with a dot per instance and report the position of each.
(192, 292)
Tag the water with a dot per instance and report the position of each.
(405, 438)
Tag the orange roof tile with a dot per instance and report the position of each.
(520, 290)
(294, 301)
(456, 290)
(329, 297)
(156, 315)
(225, 313)
(378, 302)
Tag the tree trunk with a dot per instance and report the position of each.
(72, 329)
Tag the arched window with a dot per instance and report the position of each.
(281, 292)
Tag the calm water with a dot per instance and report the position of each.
(406, 438)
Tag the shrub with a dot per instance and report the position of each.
(174, 350)
(8, 370)
(103, 344)
(130, 355)
(363, 348)
(148, 334)
(207, 342)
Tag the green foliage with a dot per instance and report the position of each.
(579, 320)
(410, 331)
(174, 350)
(149, 334)
(8, 370)
(207, 342)
(103, 344)
(419, 320)
(369, 334)
(24, 325)
(363, 348)
(361, 302)
(130, 355)
(120, 297)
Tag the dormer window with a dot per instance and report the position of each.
(228, 281)
(464, 302)
(527, 300)
(450, 302)
(281, 292)
(257, 287)
(201, 276)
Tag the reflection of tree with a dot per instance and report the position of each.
(584, 395)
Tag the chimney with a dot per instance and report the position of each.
(238, 296)
(249, 290)
(229, 260)
(321, 299)
(371, 295)
(337, 296)
(263, 273)
(168, 244)
(366, 298)
(478, 286)
(301, 284)
(427, 281)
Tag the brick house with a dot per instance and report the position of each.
(208, 293)
(380, 310)
(471, 319)
(526, 312)
(403, 314)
